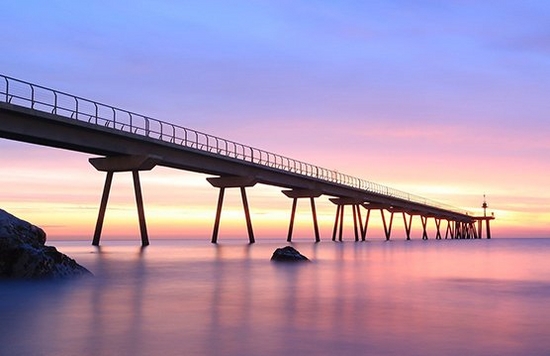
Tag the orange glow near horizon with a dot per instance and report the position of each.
(60, 191)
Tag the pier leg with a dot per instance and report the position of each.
(355, 207)
(449, 230)
(408, 225)
(474, 230)
(218, 216)
(295, 194)
(454, 230)
(292, 215)
(140, 209)
(488, 229)
(341, 231)
(390, 226)
(336, 219)
(247, 215)
(480, 228)
(387, 228)
(232, 182)
(438, 232)
(360, 222)
(315, 223)
(424, 220)
(130, 163)
(102, 208)
(364, 232)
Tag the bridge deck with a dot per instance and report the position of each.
(43, 116)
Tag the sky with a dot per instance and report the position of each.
(444, 99)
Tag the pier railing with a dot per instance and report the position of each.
(40, 98)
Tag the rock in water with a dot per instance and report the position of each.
(24, 255)
(288, 254)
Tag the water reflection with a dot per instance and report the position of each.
(117, 306)
(414, 298)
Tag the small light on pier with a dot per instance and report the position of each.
(484, 206)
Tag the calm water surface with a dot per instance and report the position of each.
(449, 297)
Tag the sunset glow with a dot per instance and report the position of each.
(446, 101)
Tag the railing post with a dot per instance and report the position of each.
(114, 114)
(54, 102)
(7, 89)
(32, 96)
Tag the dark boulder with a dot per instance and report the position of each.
(288, 254)
(24, 255)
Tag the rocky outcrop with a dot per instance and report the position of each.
(24, 255)
(288, 254)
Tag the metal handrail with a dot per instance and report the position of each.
(40, 98)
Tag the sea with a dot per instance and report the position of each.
(191, 297)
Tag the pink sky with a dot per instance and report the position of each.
(447, 101)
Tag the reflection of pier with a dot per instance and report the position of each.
(130, 142)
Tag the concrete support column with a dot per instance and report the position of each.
(296, 194)
(102, 208)
(408, 225)
(449, 231)
(357, 220)
(339, 222)
(488, 228)
(232, 182)
(364, 229)
(479, 220)
(292, 215)
(113, 164)
(480, 228)
(141, 210)
(216, 228)
(438, 231)
(387, 226)
(424, 220)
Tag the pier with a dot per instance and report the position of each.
(124, 141)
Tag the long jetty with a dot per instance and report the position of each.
(125, 141)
